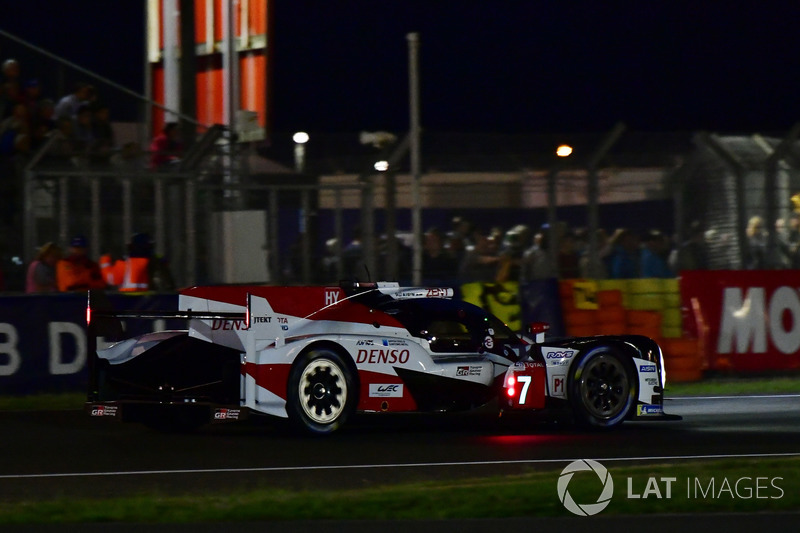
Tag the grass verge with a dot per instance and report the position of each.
(44, 401)
(696, 487)
(730, 386)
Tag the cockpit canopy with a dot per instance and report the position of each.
(452, 325)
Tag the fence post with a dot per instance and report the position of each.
(158, 207)
(593, 193)
(95, 243)
(191, 232)
(274, 254)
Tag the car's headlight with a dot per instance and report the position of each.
(663, 370)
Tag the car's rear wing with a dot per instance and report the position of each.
(102, 320)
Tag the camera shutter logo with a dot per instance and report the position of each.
(586, 509)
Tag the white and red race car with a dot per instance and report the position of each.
(316, 355)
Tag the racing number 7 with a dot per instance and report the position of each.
(523, 394)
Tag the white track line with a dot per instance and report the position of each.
(395, 465)
(735, 397)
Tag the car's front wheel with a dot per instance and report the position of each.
(321, 393)
(602, 388)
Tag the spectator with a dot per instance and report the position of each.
(128, 158)
(353, 255)
(536, 261)
(653, 262)
(69, 105)
(166, 147)
(330, 261)
(437, 264)
(31, 97)
(693, 253)
(463, 229)
(77, 272)
(625, 257)
(41, 275)
(82, 134)
(602, 267)
(480, 260)
(756, 253)
(568, 256)
(63, 148)
(10, 90)
(141, 270)
(102, 134)
(456, 247)
(793, 241)
(42, 122)
(510, 256)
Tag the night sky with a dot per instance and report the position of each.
(525, 66)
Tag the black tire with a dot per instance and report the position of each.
(322, 392)
(602, 388)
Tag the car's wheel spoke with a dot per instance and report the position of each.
(323, 393)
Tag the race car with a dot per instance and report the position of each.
(317, 355)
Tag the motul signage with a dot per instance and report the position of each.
(752, 317)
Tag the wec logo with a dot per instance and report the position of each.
(586, 509)
(385, 390)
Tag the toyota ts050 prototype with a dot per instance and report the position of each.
(316, 355)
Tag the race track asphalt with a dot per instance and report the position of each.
(45, 455)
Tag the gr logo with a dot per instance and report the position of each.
(586, 509)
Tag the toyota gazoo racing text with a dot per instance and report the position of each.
(316, 355)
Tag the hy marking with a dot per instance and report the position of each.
(395, 465)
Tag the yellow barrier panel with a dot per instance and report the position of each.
(500, 299)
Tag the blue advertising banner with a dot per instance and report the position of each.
(43, 338)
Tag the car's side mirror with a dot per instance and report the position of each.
(538, 330)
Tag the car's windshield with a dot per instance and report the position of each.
(452, 325)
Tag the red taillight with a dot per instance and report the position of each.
(88, 315)
(511, 381)
(511, 392)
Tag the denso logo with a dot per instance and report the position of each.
(229, 325)
(748, 318)
(378, 356)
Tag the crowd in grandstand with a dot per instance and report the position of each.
(30, 118)
(465, 253)
(80, 125)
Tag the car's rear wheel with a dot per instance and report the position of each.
(602, 388)
(321, 393)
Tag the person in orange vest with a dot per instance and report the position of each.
(133, 273)
(108, 271)
(76, 272)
